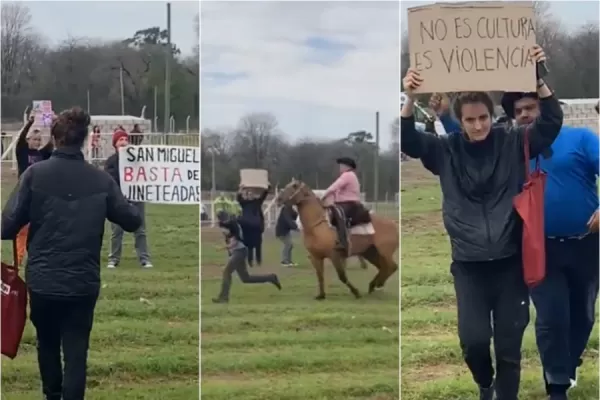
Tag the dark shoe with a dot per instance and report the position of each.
(218, 300)
(486, 393)
(276, 282)
(562, 396)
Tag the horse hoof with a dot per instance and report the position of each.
(320, 297)
(371, 288)
(357, 295)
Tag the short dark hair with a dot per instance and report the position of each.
(472, 98)
(70, 127)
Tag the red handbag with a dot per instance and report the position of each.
(529, 204)
(14, 307)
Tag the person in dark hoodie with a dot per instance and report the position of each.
(252, 221)
(66, 202)
(481, 170)
(286, 223)
(234, 243)
(111, 166)
(28, 151)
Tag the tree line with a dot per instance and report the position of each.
(80, 69)
(257, 142)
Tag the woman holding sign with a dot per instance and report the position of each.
(481, 170)
(28, 151)
(121, 139)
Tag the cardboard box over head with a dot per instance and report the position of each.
(473, 46)
(254, 178)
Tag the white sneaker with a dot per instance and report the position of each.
(111, 265)
(147, 265)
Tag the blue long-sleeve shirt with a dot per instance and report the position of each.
(571, 195)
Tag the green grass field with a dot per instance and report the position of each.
(432, 366)
(145, 338)
(271, 345)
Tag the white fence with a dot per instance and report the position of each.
(104, 148)
(388, 209)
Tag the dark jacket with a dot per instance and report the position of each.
(111, 166)
(286, 221)
(252, 215)
(480, 179)
(66, 202)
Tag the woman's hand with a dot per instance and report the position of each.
(537, 53)
(411, 82)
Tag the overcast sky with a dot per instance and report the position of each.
(113, 20)
(322, 68)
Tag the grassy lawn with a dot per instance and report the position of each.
(144, 342)
(432, 365)
(271, 345)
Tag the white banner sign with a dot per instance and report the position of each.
(160, 174)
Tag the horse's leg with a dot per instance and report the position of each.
(318, 264)
(391, 267)
(373, 256)
(340, 267)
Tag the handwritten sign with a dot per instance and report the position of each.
(160, 174)
(254, 178)
(473, 46)
(42, 111)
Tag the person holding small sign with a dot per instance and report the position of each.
(481, 170)
(121, 139)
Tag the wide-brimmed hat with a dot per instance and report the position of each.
(510, 98)
(346, 161)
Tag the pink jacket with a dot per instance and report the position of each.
(345, 188)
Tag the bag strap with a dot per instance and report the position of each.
(15, 255)
(528, 154)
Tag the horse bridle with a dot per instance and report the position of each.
(320, 220)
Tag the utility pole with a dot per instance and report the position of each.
(168, 56)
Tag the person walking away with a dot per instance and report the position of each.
(136, 135)
(481, 170)
(234, 243)
(252, 221)
(66, 200)
(565, 300)
(346, 194)
(286, 223)
(29, 150)
(121, 139)
(95, 144)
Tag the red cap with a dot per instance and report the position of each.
(118, 135)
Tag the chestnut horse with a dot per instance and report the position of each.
(320, 239)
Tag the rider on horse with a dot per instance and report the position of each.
(346, 192)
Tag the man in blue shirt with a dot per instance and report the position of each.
(565, 300)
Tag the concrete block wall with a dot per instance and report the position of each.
(581, 115)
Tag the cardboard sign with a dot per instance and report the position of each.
(42, 111)
(473, 46)
(254, 178)
(160, 174)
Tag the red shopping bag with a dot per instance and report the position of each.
(529, 204)
(14, 307)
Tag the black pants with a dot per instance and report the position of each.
(67, 322)
(253, 241)
(237, 263)
(565, 307)
(492, 301)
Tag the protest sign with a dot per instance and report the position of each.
(42, 111)
(473, 46)
(254, 178)
(160, 174)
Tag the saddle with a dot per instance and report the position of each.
(344, 216)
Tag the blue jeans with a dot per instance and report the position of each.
(565, 304)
